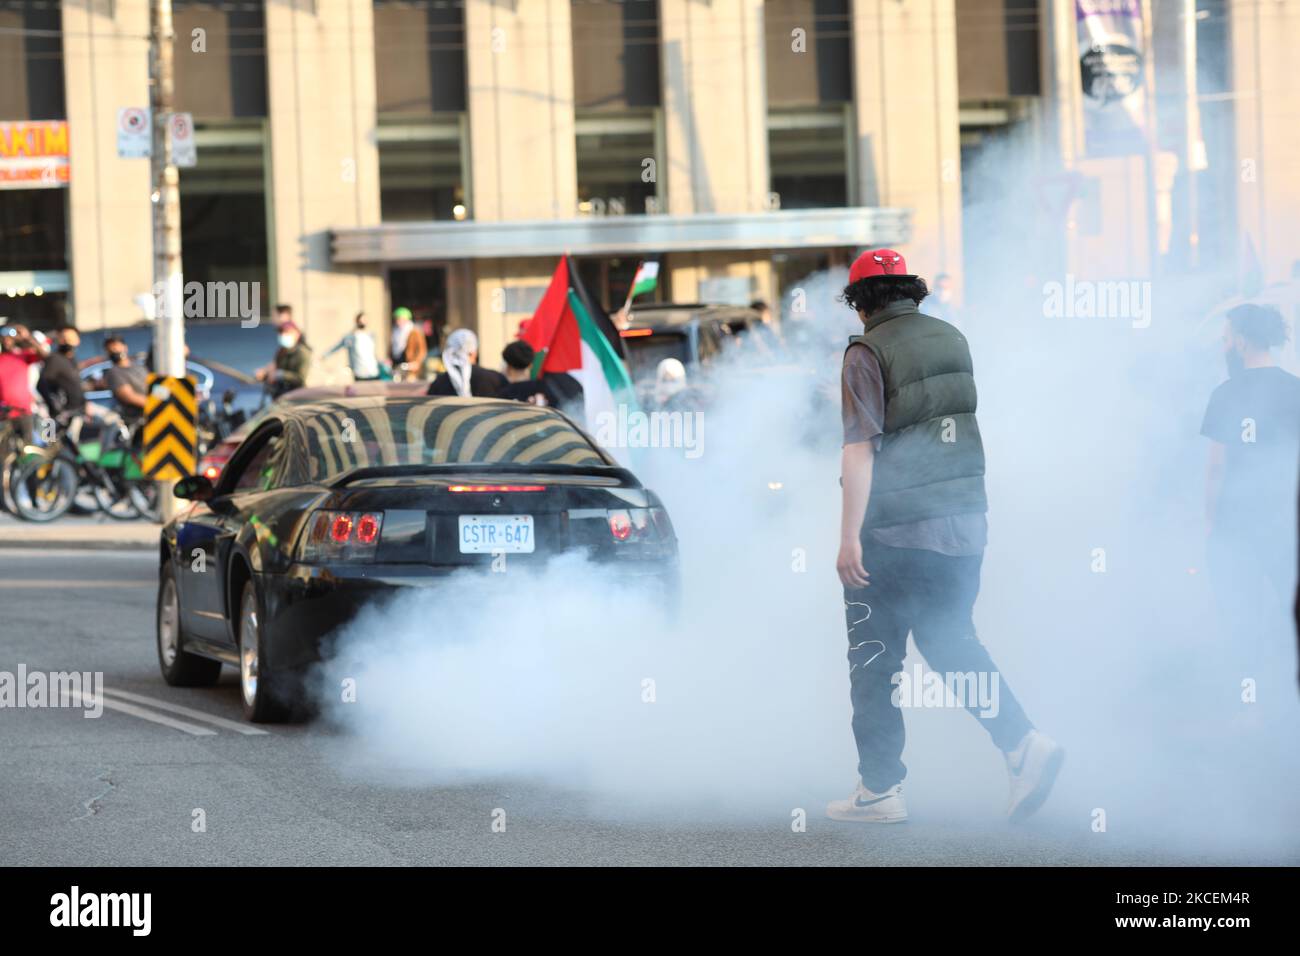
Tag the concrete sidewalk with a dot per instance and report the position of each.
(83, 533)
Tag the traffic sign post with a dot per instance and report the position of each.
(168, 285)
(171, 417)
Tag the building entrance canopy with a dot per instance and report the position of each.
(626, 235)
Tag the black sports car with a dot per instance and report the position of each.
(329, 504)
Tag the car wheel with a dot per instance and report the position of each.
(265, 694)
(179, 667)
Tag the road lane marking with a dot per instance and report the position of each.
(63, 584)
(221, 722)
(87, 701)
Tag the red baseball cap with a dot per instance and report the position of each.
(879, 262)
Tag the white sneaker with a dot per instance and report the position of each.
(1033, 767)
(867, 807)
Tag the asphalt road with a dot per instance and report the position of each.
(124, 789)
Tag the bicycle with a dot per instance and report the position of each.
(47, 480)
(12, 443)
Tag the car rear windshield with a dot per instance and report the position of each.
(645, 352)
(434, 433)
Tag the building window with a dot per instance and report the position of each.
(808, 152)
(809, 58)
(31, 62)
(220, 51)
(616, 94)
(809, 52)
(420, 97)
(419, 57)
(421, 168)
(223, 207)
(616, 155)
(615, 55)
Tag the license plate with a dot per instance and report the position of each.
(488, 534)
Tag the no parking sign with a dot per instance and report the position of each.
(184, 151)
(134, 133)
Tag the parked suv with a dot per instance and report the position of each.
(695, 334)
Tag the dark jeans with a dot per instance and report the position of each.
(931, 595)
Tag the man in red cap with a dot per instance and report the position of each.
(912, 538)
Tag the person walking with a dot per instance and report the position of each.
(912, 537)
(1253, 424)
(360, 344)
(407, 347)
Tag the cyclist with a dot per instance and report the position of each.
(18, 352)
(60, 385)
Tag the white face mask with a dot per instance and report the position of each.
(286, 340)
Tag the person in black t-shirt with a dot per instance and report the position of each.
(557, 389)
(59, 384)
(1253, 423)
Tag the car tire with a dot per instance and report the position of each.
(179, 667)
(267, 697)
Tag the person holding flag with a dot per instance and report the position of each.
(572, 333)
(645, 280)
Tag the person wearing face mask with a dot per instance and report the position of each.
(19, 352)
(59, 384)
(127, 381)
(464, 376)
(1253, 424)
(292, 362)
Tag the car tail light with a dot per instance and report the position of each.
(620, 525)
(341, 536)
(211, 472)
(638, 524)
(481, 488)
(367, 529)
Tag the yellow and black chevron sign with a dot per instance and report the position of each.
(171, 416)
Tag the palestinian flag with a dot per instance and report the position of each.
(572, 333)
(645, 280)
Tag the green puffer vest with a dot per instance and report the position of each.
(931, 460)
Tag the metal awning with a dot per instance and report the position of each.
(623, 235)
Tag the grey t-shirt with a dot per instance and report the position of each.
(862, 394)
(134, 375)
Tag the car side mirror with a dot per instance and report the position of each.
(194, 488)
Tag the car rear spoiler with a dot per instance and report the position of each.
(620, 474)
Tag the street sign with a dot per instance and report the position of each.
(171, 415)
(185, 153)
(134, 133)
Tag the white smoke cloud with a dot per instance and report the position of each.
(1090, 428)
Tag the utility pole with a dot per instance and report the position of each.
(168, 288)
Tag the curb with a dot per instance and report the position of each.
(77, 544)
